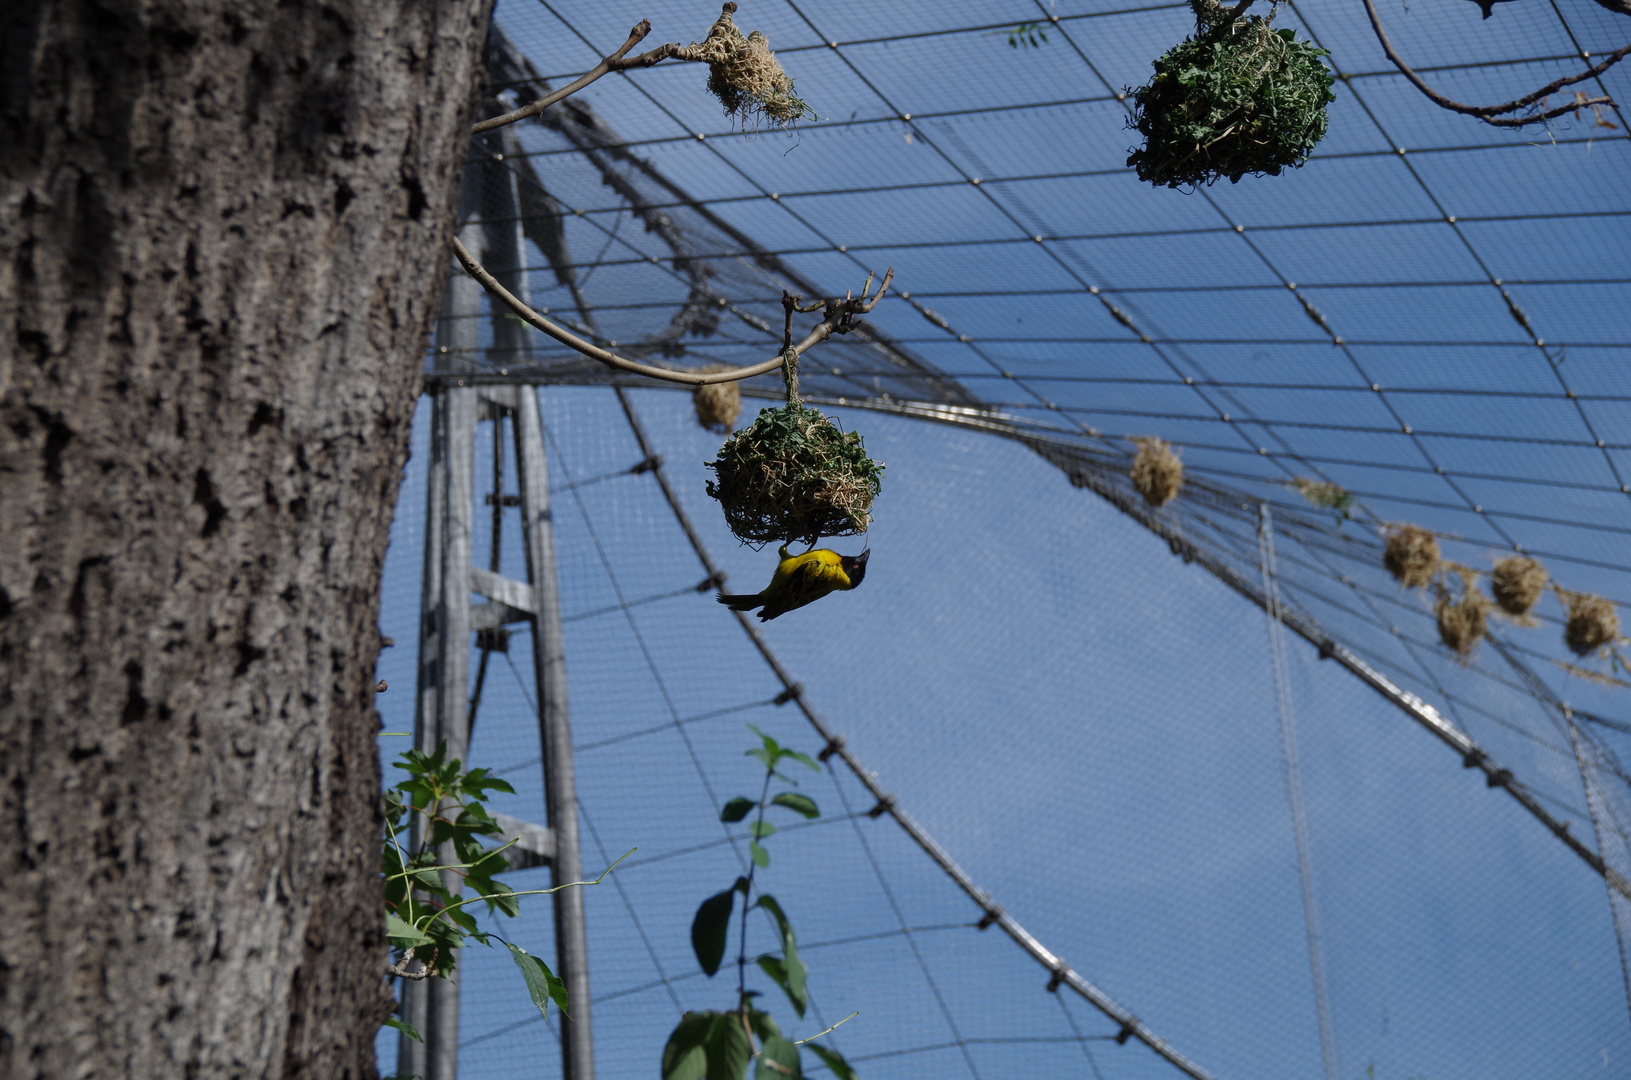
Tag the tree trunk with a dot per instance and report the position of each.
(223, 232)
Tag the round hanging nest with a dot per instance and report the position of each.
(1411, 556)
(794, 475)
(1517, 584)
(1157, 472)
(1592, 623)
(717, 404)
(745, 75)
(1462, 621)
(1236, 98)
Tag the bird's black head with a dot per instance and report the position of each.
(855, 567)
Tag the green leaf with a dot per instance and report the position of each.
(761, 829)
(685, 1058)
(834, 1061)
(729, 1049)
(799, 804)
(778, 1060)
(802, 758)
(711, 927)
(707, 1046)
(737, 809)
(761, 857)
(542, 985)
(406, 1028)
(794, 968)
(764, 1025)
(402, 934)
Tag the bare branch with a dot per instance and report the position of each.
(617, 61)
(1492, 114)
(840, 319)
(426, 970)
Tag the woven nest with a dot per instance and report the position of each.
(1517, 583)
(1411, 556)
(1236, 99)
(1324, 493)
(717, 404)
(1592, 624)
(1157, 471)
(794, 475)
(1462, 622)
(745, 75)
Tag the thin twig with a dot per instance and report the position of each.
(840, 319)
(400, 968)
(817, 1035)
(617, 61)
(1492, 114)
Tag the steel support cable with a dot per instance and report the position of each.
(1294, 785)
(1061, 974)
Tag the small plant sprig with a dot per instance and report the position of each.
(1026, 33)
(425, 909)
(712, 1045)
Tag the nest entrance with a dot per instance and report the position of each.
(1236, 98)
(1157, 472)
(794, 475)
(745, 75)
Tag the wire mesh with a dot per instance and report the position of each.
(1061, 686)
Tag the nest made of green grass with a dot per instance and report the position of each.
(794, 475)
(745, 75)
(1238, 99)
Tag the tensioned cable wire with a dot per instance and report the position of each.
(1061, 972)
(1294, 787)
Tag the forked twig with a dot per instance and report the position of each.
(1493, 114)
(840, 319)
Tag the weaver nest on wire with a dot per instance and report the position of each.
(1592, 624)
(1235, 99)
(1462, 621)
(1157, 472)
(794, 475)
(1517, 584)
(745, 75)
(1411, 556)
(717, 404)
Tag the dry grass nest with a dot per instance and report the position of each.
(1411, 556)
(745, 75)
(1592, 624)
(1157, 471)
(717, 404)
(794, 475)
(1462, 621)
(1236, 99)
(1517, 584)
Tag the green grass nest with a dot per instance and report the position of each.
(794, 475)
(1236, 100)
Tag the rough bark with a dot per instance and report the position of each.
(223, 228)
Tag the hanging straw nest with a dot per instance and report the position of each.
(1462, 622)
(1236, 98)
(1592, 624)
(1517, 584)
(1411, 556)
(717, 404)
(794, 475)
(745, 75)
(1157, 472)
(1324, 493)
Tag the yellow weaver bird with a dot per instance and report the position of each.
(801, 579)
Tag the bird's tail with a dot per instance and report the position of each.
(740, 601)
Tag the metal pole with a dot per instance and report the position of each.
(555, 729)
